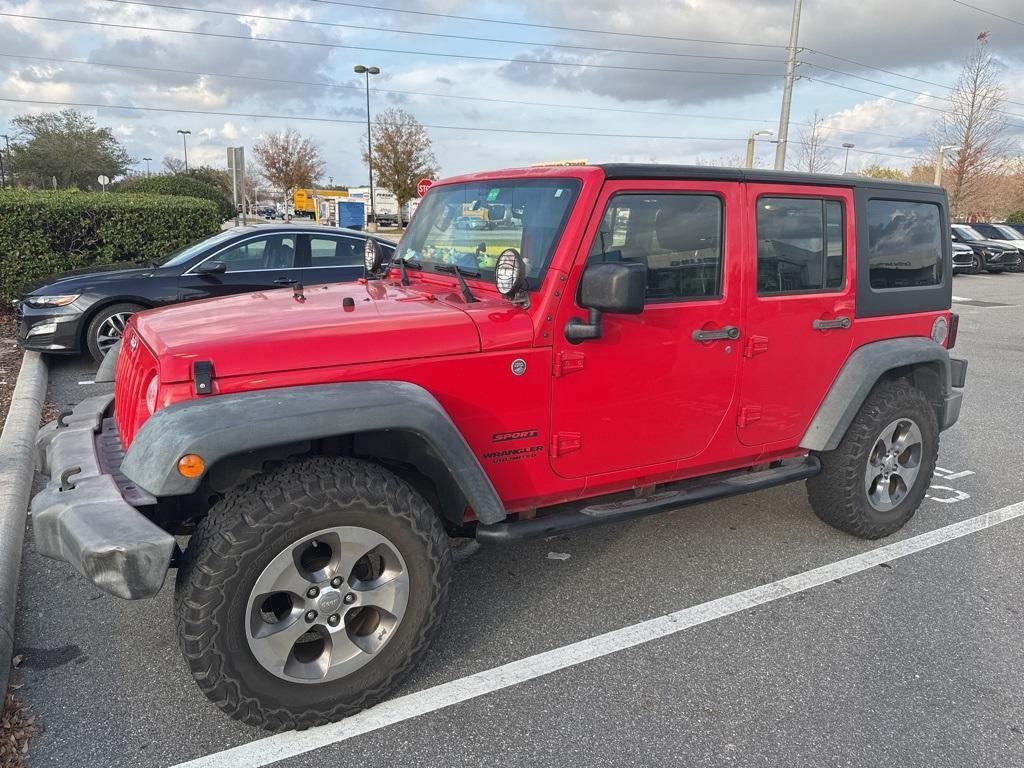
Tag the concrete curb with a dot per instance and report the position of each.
(17, 467)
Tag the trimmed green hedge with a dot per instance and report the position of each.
(43, 233)
(184, 186)
(1017, 217)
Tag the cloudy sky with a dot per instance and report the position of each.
(502, 83)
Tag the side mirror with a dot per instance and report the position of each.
(211, 268)
(616, 287)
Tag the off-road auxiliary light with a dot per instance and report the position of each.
(939, 329)
(372, 258)
(510, 276)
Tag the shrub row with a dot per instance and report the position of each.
(43, 233)
(185, 185)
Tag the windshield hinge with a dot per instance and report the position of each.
(568, 362)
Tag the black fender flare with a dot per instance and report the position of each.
(221, 426)
(862, 370)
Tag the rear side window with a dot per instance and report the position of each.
(677, 236)
(800, 245)
(904, 244)
(335, 251)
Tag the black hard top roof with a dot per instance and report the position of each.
(709, 173)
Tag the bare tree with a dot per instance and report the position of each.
(976, 124)
(173, 164)
(402, 154)
(813, 156)
(288, 160)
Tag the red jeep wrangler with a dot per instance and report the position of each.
(618, 340)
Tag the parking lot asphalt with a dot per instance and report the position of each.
(915, 662)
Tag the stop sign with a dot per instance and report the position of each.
(423, 186)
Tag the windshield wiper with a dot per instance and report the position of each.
(402, 264)
(460, 275)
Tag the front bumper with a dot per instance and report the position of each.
(87, 515)
(66, 323)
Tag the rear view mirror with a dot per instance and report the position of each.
(616, 287)
(211, 268)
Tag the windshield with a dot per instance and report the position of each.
(182, 255)
(469, 225)
(968, 233)
(1009, 232)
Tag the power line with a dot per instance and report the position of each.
(988, 12)
(339, 120)
(224, 35)
(471, 38)
(331, 84)
(553, 27)
(888, 72)
(834, 84)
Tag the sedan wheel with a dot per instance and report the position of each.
(107, 328)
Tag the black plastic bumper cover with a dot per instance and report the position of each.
(81, 516)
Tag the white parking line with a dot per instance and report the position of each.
(284, 745)
(961, 298)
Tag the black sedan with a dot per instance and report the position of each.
(88, 309)
(993, 256)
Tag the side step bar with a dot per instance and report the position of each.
(789, 471)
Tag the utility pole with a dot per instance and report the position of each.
(750, 146)
(359, 69)
(846, 162)
(184, 144)
(940, 160)
(787, 91)
(10, 165)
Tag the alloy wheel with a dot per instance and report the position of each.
(326, 605)
(111, 330)
(893, 464)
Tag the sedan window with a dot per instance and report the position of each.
(261, 254)
(335, 251)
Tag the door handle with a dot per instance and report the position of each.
(825, 325)
(726, 333)
(283, 281)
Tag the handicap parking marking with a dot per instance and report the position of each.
(945, 494)
(948, 474)
(281, 746)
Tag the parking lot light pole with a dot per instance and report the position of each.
(184, 145)
(750, 146)
(359, 69)
(846, 161)
(940, 159)
(147, 159)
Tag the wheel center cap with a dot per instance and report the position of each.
(329, 602)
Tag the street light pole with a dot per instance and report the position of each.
(846, 162)
(940, 159)
(147, 159)
(750, 146)
(787, 91)
(184, 145)
(359, 69)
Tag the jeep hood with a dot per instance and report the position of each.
(272, 331)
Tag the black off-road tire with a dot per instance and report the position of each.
(254, 523)
(97, 321)
(838, 494)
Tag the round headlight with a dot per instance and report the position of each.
(939, 329)
(371, 255)
(509, 272)
(151, 391)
